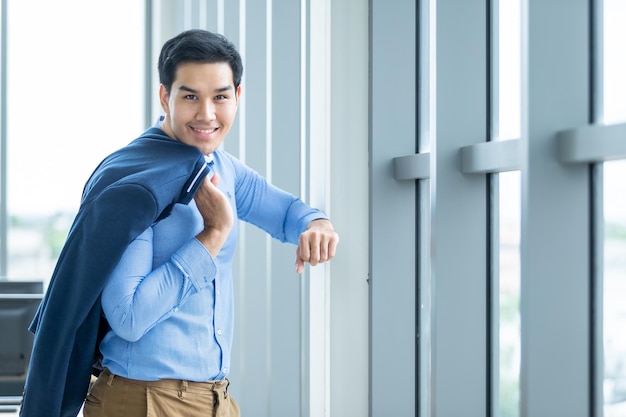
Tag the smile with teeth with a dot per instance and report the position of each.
(205, 131)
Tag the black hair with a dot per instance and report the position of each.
(197, 45)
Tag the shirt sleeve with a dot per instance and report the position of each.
(279, 213)
(136, 297)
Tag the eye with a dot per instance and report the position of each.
(190, 97)
(221, 97)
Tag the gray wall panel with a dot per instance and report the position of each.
(254, 324)
(349, 203)
(459, 212)
(285, 169)
(393, 209)
(555, 223)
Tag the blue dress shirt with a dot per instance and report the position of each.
(169, 302)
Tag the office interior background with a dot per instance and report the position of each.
(469, 152)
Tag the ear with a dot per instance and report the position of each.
(238, 93)
(164, 99)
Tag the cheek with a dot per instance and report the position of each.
(228, 114)
(180, 114)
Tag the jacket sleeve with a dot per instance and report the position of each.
(67, 322)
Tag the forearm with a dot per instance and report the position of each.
(213, 239)
(137, 297)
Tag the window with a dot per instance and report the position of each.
(509, 293)
(75, 93)
(509, 211)
(614, 288)
(614, 279)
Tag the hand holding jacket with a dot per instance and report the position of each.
(217, 214)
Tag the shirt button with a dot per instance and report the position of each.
(224, 370)
(219, 331)
(218, 292)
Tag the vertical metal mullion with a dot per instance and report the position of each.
(269, 273)
(220, 16)
(418, 224)
(555, 370)
(460, 293)
(419, 211)
(187, 14)
(317, 194)
(423, 314)
(493, 296)
(148, 62)
(596, 61)
(493, 214)
(596, 292)
(392, 242)
(596, 209)
(305, 383)
(423, 373)
(4, 223)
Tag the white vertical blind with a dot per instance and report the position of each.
(283, 325)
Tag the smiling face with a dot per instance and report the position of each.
(201, 105)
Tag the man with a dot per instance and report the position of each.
(148, 259)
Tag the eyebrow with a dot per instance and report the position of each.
(217, 90)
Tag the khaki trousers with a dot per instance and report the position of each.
(115, 396)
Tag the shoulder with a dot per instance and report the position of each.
(229, 161)
(223, 156)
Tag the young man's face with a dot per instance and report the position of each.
(201, 106)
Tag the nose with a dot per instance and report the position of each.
(206, 110)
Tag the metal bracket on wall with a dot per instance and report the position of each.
(480, 158)
(493, 156)
(412, 167)
(592, 143)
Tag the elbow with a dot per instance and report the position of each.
(126, 328)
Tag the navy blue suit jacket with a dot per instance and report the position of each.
(129, 191)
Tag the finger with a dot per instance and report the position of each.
(304, 249)
(299, 264)
(323, 249)
(328, 247)
(215, 179)
(315, 249)
(326, 250)
(319, 248)
(332, 248)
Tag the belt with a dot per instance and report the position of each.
(218, 386)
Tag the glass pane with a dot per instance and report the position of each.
(614, 289)
(614, 61)
(75, 71)
(509, 70)
(509, 293)
(507, 288)
(614, 279)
